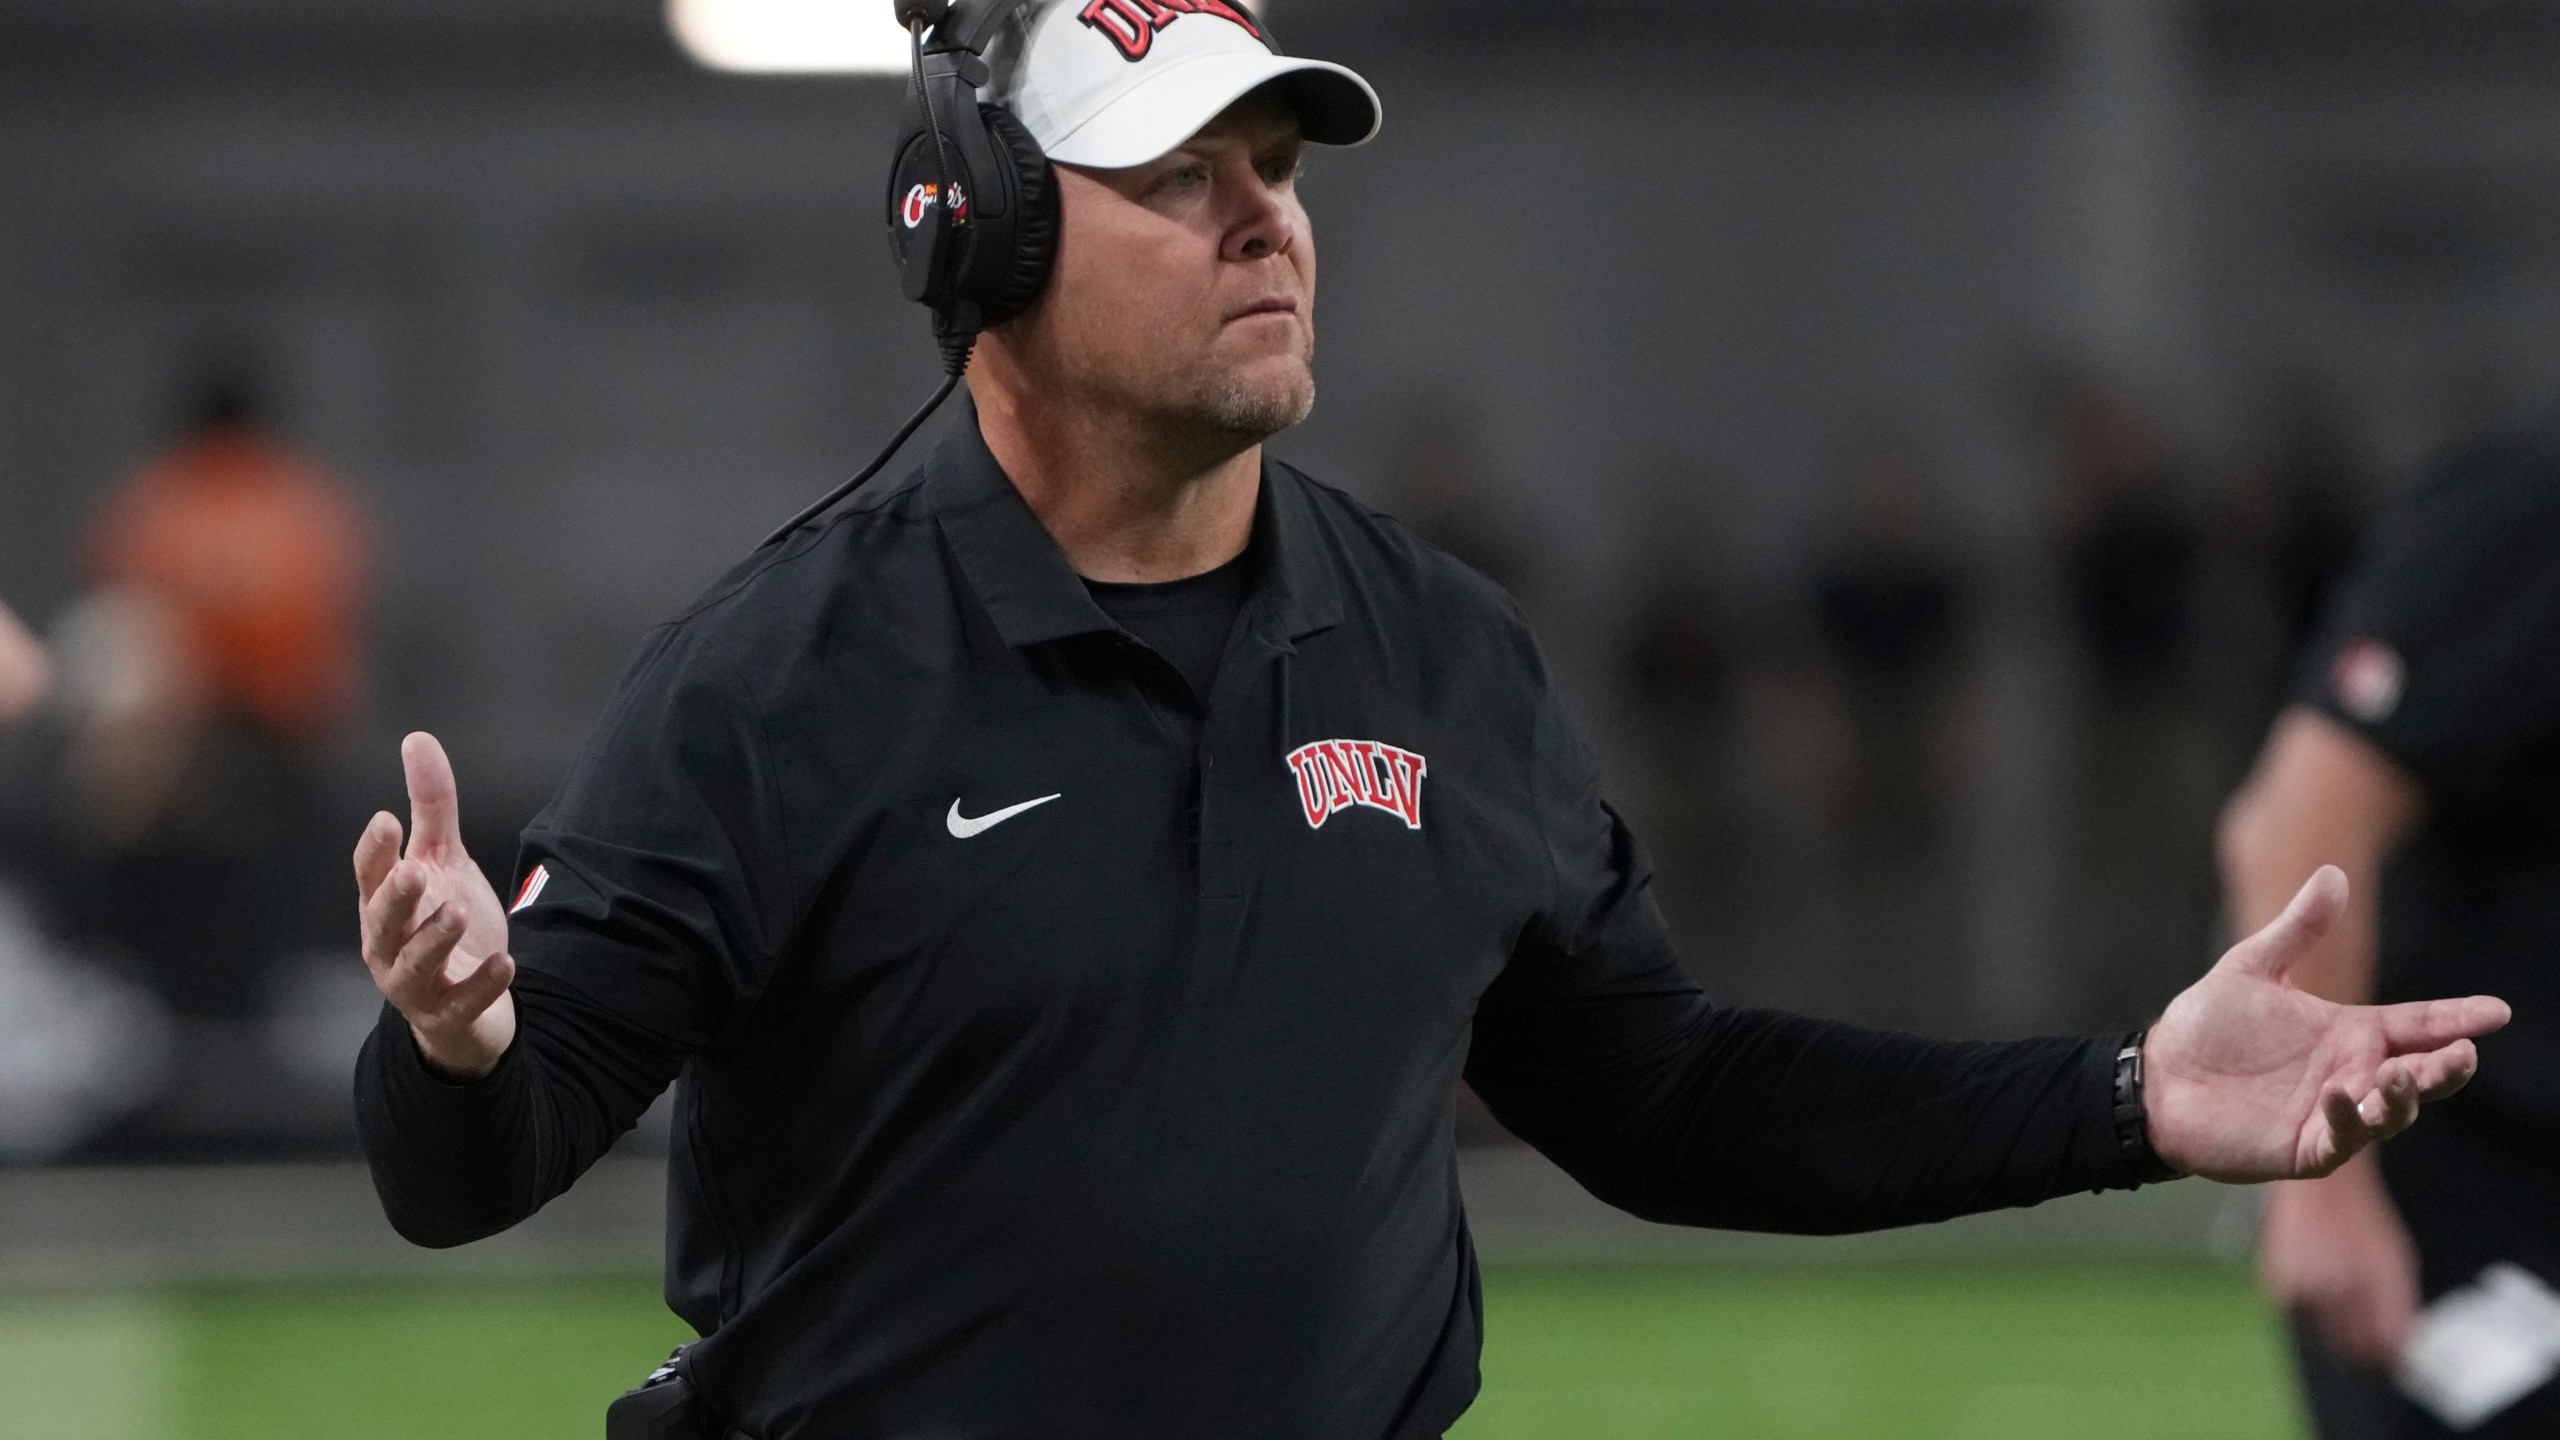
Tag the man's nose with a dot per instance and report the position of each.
(1266, 227)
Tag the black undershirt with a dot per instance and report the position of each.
(1185, 621)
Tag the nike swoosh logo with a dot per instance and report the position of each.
(963, 827)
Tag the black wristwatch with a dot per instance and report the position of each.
(2133, 1123)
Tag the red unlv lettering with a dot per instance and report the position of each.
(1334, 775)
(1132, 24)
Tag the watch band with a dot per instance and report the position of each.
(2133, 1122)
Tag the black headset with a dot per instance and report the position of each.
(973, 201)
(973, 204)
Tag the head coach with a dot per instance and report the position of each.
(1068, 885)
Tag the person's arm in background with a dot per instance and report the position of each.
(2438, 667)
(2333, 1249)
(26, 671)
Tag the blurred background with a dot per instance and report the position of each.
(1920, 429)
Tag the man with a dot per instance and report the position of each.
(1072, 883)
(2422, 756)
(222, 643)
(259, 555)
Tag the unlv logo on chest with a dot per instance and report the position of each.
(1334, 775)
(1132, 24)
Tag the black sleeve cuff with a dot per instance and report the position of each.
(408, 1075)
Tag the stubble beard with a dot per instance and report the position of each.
(1228, 407)
(1250, 408)
(1205, 406)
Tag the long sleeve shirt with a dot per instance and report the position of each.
(1063, 1048)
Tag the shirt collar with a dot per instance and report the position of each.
(1033, 595)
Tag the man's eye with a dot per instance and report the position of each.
(1184, 178)
(1282, 172)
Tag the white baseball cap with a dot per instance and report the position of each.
(1115, 83)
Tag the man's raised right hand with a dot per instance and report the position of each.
(435, 934)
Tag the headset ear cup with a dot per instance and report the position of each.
(1035, 217)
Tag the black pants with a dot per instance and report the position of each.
(2475, 1189)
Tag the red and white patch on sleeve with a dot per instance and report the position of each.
(1334, 775)
(532, 890)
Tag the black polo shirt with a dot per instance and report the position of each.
(2443, 648)
(1064, 1054)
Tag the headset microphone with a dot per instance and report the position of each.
(973, 204)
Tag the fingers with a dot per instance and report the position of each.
(2401, 1087)
(2434, 1024)
(2348, 1132)
(377, 850)
(480, 989)
(416, 978)
(435, 809)
(2393, 1103)
(391, 915)
(2438, 1073)
(417, 985)
(2316, 907)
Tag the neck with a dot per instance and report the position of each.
(1129, 499)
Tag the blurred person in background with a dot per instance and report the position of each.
(2127, 544)
(26, 671)
(207, 676)
(259, 554)
(2421, 754)
(78, 1048)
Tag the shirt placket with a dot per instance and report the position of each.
(1236, 740)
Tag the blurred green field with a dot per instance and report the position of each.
(1984, 1352)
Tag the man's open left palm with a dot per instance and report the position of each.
(2248, 1078)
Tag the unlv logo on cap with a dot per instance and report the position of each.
(1334, 775)
(1132, 24)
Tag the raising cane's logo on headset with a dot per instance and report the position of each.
(920, 204)
(1132, 24)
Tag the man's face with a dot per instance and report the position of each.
(1185, 288)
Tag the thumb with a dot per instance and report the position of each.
(2290, 936)
(435, 810)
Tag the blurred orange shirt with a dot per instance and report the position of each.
(262, 555)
